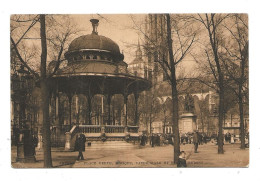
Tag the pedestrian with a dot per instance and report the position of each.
(229, 137)
(199, 138)
(81, 146)
(142, 140)
(186, 138)
(152, 140)
(158, 139)
(232, 139)
(76, 146)
(145, 139)
(247, 140)
(35, 143)
(189, 139)
(205, 139)
(16, 135)
(196, 141)
(182, 138)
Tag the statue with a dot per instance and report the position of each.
(189, 103)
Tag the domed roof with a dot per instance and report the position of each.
(94, 42)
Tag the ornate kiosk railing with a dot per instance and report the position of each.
(102, 133)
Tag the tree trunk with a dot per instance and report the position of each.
(241, 116)
(175, 121)
(208, 126)
(45, 97)
(214, 46)
(46, 124)
(164, 122)
(175, 109)
(240, 96)
(220, 117)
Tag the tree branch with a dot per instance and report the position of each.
(22, 61)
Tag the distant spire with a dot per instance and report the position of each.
(139, 47)
(138, 51)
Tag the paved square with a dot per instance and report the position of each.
(143, 157)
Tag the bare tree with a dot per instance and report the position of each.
(169, 67)
(169, 54)
(212, 23)
(236, 50)
(47, 35)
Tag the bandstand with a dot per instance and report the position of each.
(96, 67)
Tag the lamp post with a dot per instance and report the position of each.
(21, 86)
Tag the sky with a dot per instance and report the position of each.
(121, 28)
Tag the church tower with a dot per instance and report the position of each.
(138, 67)
(155, 45)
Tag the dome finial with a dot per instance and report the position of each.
(94, 25)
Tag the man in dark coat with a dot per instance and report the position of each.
(152, 140)
(142, 140)
(76, 146)
(196, 141)
(158, 140)
(81, 146)
(35, 143)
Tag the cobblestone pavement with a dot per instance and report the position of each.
(144, 157)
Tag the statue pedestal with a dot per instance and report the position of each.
(68, 141)
(187, 123)
(25, 153)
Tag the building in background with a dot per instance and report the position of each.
(205, 99)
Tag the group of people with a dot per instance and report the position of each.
(187, 138)
(230, 138)
(154, 139)
(143, 140)
(27, 139)
(196, 139)
(164, 139)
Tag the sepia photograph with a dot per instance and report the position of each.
(129, 90)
